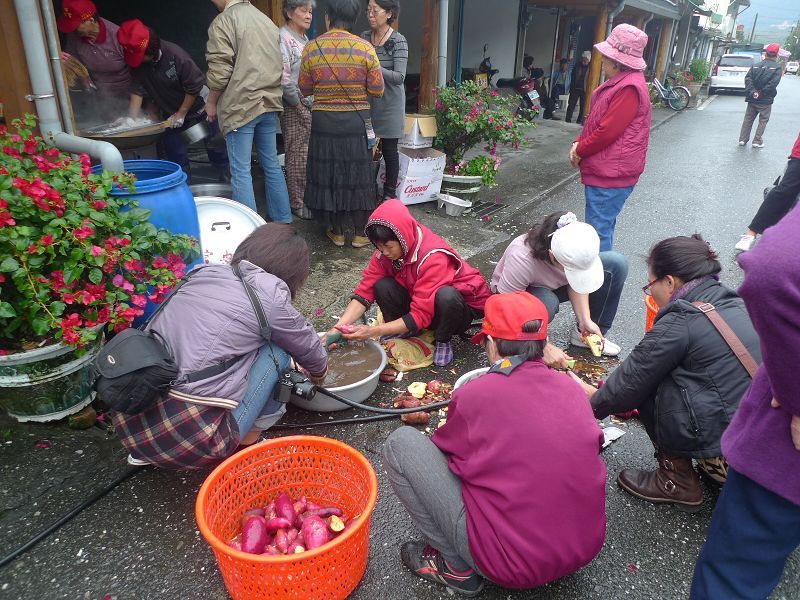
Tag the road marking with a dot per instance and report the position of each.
(707, 102)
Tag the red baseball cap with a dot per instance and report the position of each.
(773, 49)
(133, 36)
(505, 314)
(75, 12)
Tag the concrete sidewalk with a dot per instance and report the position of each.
(141, 540)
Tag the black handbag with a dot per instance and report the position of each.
(137, 368)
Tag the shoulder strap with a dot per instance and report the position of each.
(266, 332)
(333, 72)
(736, 345)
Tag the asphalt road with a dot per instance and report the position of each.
(141, 541)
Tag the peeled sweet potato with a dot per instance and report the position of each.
(269, 511)
(254, 535)
(296, 548)
(300, 506)
(284, 507)
(315, 532)
(595, 343)
(335, 524)
(415, 418)
(417, 389)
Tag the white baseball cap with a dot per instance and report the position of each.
(576, 246)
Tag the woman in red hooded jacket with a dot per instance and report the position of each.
(418, 281)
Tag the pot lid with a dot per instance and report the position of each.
(224, 224)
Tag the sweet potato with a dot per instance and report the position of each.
(269, 511)
(335, 524)
(417, 389)
(253, 512)
(322, 513)
(351, 523)
(435, 386)
(300, 506)
(236, 543)
(406, 400)
(595, 343)
(281, 540)
(388, 375)
(295, 548)
(277, 523)
(416, 418)
(284, 507)
(315, 532)
(313, 505)
(271, 551)
(254, 535)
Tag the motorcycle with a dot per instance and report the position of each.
(525, 88)
(485, 68)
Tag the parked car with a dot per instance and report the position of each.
(792, 67)
(729, 72)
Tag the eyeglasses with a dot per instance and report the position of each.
(646, 289)
(375, 11)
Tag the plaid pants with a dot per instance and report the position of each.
(296, 127)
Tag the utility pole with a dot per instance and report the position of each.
(753, 31)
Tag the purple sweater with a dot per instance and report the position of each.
(758, 443)
(526, 447)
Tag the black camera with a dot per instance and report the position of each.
(294, 383)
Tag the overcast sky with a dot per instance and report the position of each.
(775, 18)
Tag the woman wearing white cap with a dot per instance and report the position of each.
(611, 149)
(559, 259)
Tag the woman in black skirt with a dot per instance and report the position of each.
(341, 71)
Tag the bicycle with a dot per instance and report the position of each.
(675, 96)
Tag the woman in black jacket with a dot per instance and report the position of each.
(683, 377)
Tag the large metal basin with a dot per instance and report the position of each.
(357, 392)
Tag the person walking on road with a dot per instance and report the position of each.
(778, 202)
(244, 74)
(761, 87)
(577, 87)
(756, 523)
(612, 148)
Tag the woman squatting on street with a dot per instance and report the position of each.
(503, 490)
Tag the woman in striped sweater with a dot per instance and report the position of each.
(341, 71)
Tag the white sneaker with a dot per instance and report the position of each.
(754, 145)
(137, 462)
(745, 242)
(742, 143)
(609, 347)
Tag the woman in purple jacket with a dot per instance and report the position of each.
(756, 523)
(211, 320)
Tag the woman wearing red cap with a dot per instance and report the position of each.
(503, 490)
(93, 41)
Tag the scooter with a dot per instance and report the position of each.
(526, 89)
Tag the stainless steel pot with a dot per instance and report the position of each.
(217, 190)
(196, 133)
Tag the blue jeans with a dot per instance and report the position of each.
(262, 130)
(603, 303)
(752, 534)
(603, 205)
(258, 400)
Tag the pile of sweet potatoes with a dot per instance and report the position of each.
(286, 527)
(421, 394)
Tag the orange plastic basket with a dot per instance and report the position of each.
(325, 471)
(652, 311)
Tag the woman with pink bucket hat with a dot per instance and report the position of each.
(611, 149)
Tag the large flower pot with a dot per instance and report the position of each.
(48, 383)
(694, 90)
(466, 187)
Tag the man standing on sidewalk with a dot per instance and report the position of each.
(577, 87)
(245, 66)
(761, 87)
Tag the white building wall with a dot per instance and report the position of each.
(540, 37)
(495, 23)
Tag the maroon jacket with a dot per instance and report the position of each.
(796, 150)
(526, 447)
(621, 163)
(428, 263)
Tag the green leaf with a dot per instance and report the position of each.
(72, 272)
(95, 276)
(139, 214)
(41, 324)
(58, 308)
(9, 264)
(98, 217)
(6, 310)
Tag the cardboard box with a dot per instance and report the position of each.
(420, 178)
(419, 133)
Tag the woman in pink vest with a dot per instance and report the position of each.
(611, 149)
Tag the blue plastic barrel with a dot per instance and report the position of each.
(162, 189)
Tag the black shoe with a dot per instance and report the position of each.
(428, 563)
(579, 121)
(553, 118)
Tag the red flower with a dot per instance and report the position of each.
(33, 249)
(6, 219)
(99, 205)
(124, 242)
(30, 146)
(84, 232)
(12, 152)
(47, 240)
(97, 251)
(139, 300)
(2, 278)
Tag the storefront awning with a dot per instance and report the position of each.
(661, 8)
(699, 9)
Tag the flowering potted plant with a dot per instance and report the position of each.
(73, 260)
(468, 115)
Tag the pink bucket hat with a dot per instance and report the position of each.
(625, 45)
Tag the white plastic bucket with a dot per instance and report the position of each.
(224, 224)
(453, 205)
